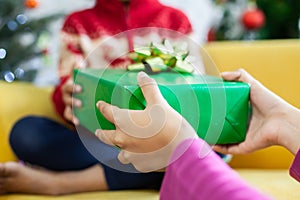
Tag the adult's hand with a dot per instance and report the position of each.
(273, 120)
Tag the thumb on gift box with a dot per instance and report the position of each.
(150, 89)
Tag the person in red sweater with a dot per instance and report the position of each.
(56, 161)
(193, 169)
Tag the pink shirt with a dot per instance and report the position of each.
(193, 176)
(295, 167)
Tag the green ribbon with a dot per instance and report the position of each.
(160, 57)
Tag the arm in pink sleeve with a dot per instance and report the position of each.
(295, 167)
(193, 176)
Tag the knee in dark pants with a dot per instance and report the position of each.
(46, 143)
(26, 137)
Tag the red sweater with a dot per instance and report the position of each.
(85, 30)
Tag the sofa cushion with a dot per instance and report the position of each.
(275, 183)
(107, 195)
(19, 99)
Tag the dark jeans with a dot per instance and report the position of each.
(46, 143)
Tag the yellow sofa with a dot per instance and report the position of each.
(275, 63)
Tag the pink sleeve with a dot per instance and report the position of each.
(295, 167)
(194, 176)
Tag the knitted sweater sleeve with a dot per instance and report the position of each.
(71, 56)
(193, 176)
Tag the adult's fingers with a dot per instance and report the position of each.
(149, 88)
(221, 149)
(240, 148)
(238, 75)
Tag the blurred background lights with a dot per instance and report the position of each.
(2, 53)
(12, 25)
(27, 39)
(21, 18)
(19, 73)
(9, 76)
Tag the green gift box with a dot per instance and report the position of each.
(218, 110)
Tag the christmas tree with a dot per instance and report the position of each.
(21, 39)
(260, 19)
(282, 18)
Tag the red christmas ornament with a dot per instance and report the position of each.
(211, 35)
(253, 19)
(45, 51)
(31, 3)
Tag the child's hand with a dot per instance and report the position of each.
(67, 90)
(147, 138)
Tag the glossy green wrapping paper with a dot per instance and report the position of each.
(217, 110)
